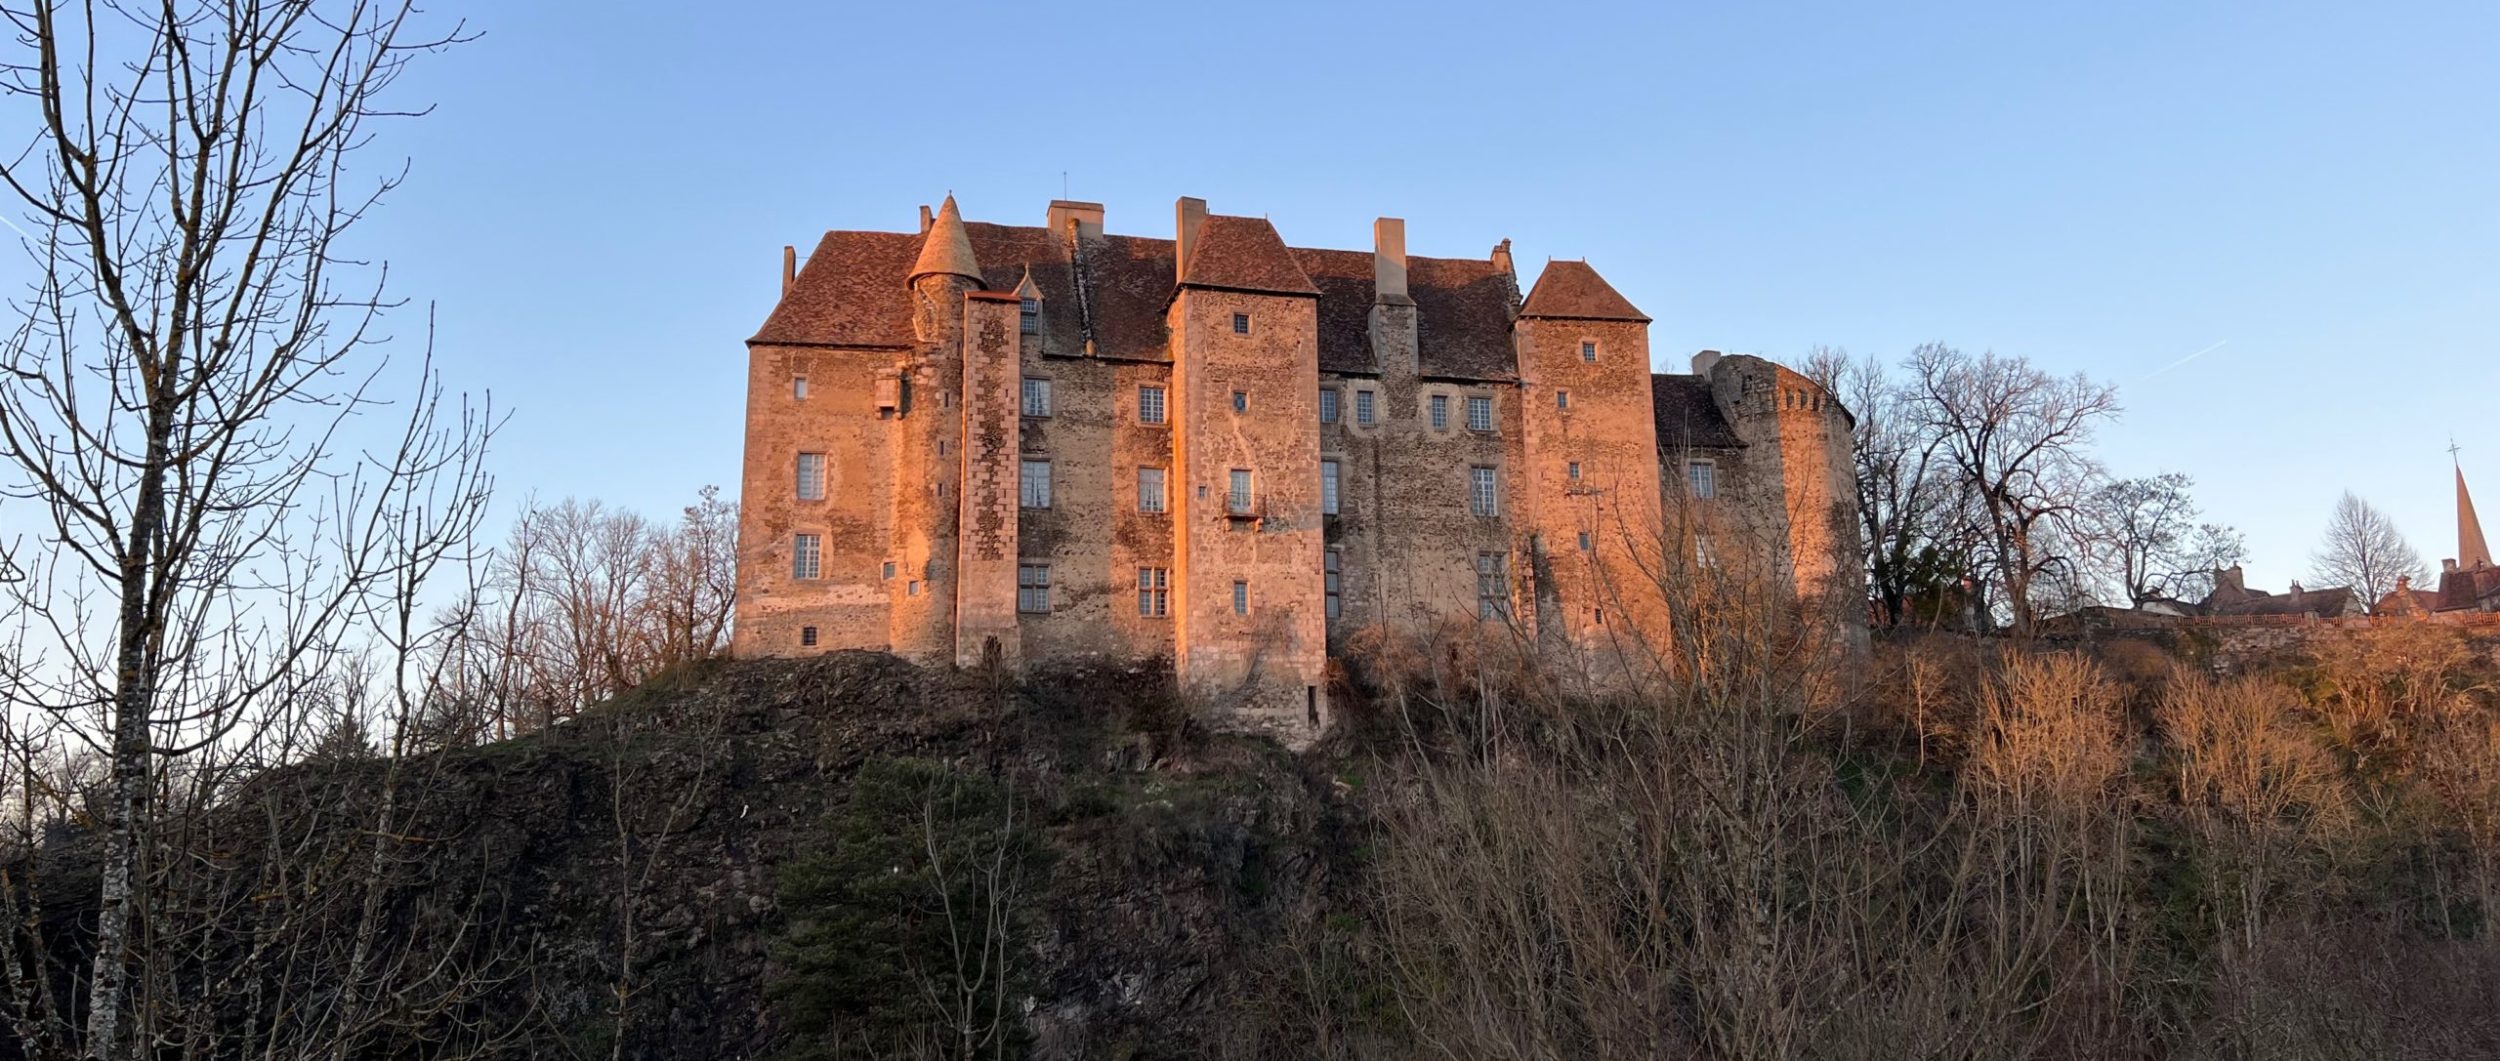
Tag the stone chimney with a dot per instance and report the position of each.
(789, 267)
(1187, 215)
(1389, 262)
(924, 219)
(1087, 217)
(2296, 590)
(2230, 579)
(1704, 361)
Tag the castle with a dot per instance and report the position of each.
(983, 444)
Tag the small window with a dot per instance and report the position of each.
(798, 387)
(1237, 497)
(1328, 488)
(1331, 584)
(1588, 350)
(1154, 592)
(1584, 541)
(1703, 554)
(1241, 598)
(1033, 485)
(1479, 414)
(807, 555)
(1703, 477)
(1036, 397)
(1562, 399)
(1150, 405)
(811, 477)
(1328, 405)
(1149, 489)
(1241, 401)
(807, 637)
(1492, 586)
(1241, 324)
(1575, 471)
(1440, 412)
(1365, 410)
(1033, 588)
(1029, 316)
(1482, 498)
(911, 588)
(888, 572)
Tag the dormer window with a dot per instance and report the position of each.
(1241, 324)
(1029, 316)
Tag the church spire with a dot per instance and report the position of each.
(2472, 551)
(948, 250)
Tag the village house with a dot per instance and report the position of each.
(984, 444)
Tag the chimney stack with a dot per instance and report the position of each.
(1389, 262)
(1704, 361)
(1188, 214)
(925, 219)
(1087, 217)
(789, 267)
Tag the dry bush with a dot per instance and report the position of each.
(2257, 788)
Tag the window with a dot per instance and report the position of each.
(1149, 489)
(1703, 477)
(1481, 496)
(798, 387)
(1364, 411)
(1154, 592)
(1440, 412)
(1328, 488)
(1562, 400)
(1575, 471)
(1241, 324)
(1492, 586)
(1036, 397)
(1584, 541)
(807, 637)
(1029, 316)
(888, 572)
(1479, 414)
(1588, 349)
(1237, 498)
(911, 588)
(1150, 405)
(1241, 598)
(811, 477)
(1033, 485)
(1331, 584)
(1033, 588)
(1241, 401)
(1328, 405)
(807, 555)
(1703, 554)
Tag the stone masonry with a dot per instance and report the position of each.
(987, 445)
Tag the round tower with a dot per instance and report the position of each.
(928, 426)
(1798, 436)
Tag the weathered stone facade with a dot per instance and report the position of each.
(1038, 442)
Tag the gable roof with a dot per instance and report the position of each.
(1572, 290)
(1244, 254)
(1687, 415)
(1115, 291)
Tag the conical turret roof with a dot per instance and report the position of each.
(948, 249)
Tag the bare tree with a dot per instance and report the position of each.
(2364, 550)
(1906, 519)
(2014, 437)
(189, 396)
(2144, 539)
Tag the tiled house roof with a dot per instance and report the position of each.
(1572, 290)
(854, 291)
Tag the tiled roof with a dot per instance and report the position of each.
(945, 250)
(851, 293)
(1687, 416)
(1245, 254)
(1463, 309)
(854, 292)
(1573, 290)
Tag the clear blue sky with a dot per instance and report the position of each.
(599, 203)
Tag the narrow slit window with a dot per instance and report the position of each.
(1241, 598)
(1332, 582)
(1241, 401)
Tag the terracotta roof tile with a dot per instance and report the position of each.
(1687, 415)
(1463, 309)
(1245, 254)
(1344, 280)
(851, 293)
(1572, 289)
